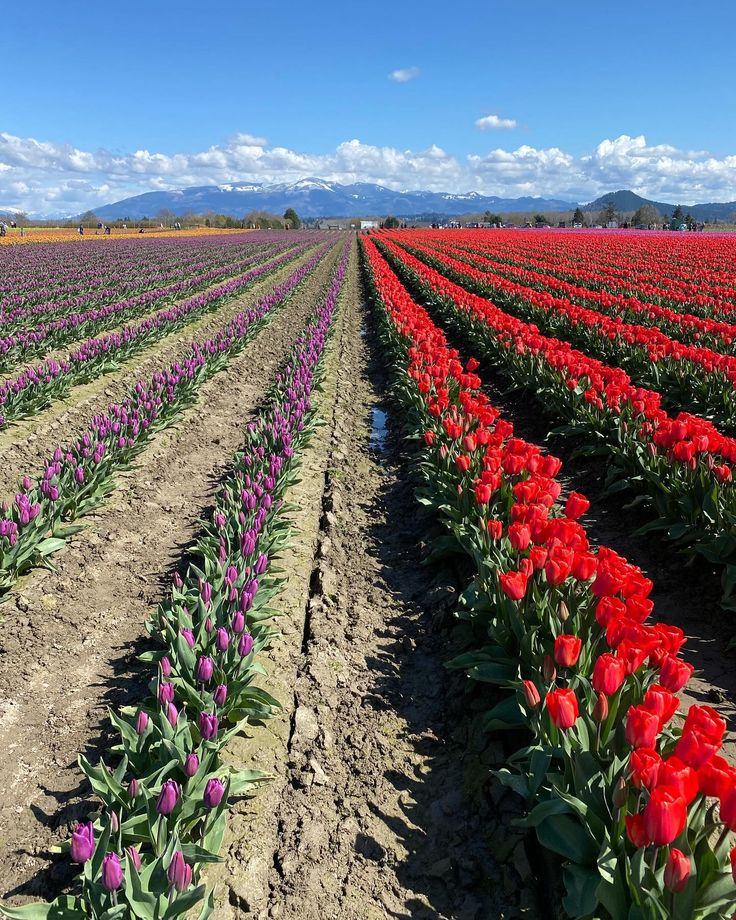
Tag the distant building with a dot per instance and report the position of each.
(368, 224)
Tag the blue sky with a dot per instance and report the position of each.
(271, 92)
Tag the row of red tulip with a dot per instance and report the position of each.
(616, 783)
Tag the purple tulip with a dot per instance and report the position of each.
(245, 646)
(172, 714)
(133, 788)
(223, 639)
(238, 623)
(180, 874)
(208, 725)
(213, 793)
(188, 637)
(114, 822)
(209, 625)
(206, 593)
(112, 873)
(168, 797)
(191, 765)
(83, 842)
(166, 666)
(231, 576)
(141, 723)
(205, 668)
(261, 565)
(134, 857)
(220, 695)
(166, 694)
(178, 583)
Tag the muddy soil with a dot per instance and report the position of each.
(68, 644)
(378, 808)
(685, 594)
(25, 445)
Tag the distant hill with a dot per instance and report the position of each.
(625, 201)
(318, 198)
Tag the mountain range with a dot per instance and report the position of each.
(313, 198)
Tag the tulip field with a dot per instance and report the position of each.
(297, 624)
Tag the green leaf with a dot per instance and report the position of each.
(63, 908)
(564, 835)
(581, 884)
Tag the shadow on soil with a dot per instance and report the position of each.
(464, 855)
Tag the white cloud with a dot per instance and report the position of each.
(492, 122)
(44, 177)
(404, 74)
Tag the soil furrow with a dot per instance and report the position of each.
(367, 816)
(69, 643)
(24, 445)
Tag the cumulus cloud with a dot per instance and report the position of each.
(404, 74)
(43, 177)
(493, 122)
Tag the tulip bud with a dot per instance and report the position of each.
(114, 822)
(134, 857)
(179, 874)
(191, 765)
(620, 793)
(208, 725)
(223, 640)
(205, 668)
(600, 710)
(133, 788)
(172, 714)
(83, 842)
(238, 623)
(213, 793)
(563, 613)
(178, 583)
(209, 625)
(188, 637)
(220, 695)
(677, 871)
(165, 666)
(549, 671)
(168, 797)
(141, 723)
(531, 694)
(166, 694)
(112, 873)
(245, 646)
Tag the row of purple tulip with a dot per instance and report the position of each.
(26, 343)
(79, 476)
(35, 388)
(164, 805)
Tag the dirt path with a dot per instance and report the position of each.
(69, 644)
(367, 817)
(26, 444)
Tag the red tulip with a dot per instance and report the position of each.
(674, 673)
(644, 764)
(567, 650)
(562, 706)
(495, 529)
(609, 673)
(636, 830)
(716, 777)
(576, 505)
(600, 710)
(678, 775)
(513, 585)
(665, 815)
(642, 727)
(531, 694)
(662, 702)
(677, 871)
(520, 536)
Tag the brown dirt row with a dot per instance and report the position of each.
(68, 646)
(26, 444)
(372, 812)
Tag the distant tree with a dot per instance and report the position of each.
(490, 218)
(293, 218)
(391, 223)
(89, 219)
(21, 218)
(166, 216)
(646, 214)
(608, 214)
(540, 220)
(678, 214)
(578, 217)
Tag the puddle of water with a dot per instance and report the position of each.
(378, 429)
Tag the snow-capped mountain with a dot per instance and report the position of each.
(314, 197)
